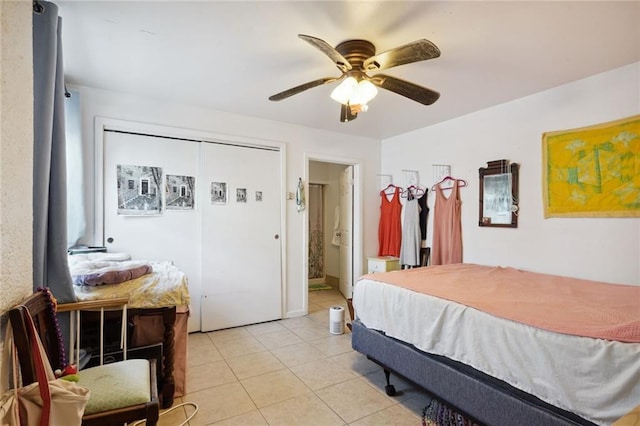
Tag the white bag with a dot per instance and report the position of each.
(48, 401)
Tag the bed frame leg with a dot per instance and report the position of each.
(389, 388)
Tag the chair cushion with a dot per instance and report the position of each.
(117, 385)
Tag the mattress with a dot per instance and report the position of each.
(597, 379)
(165, 286)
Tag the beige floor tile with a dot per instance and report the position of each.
(219, 403)
(297, 322)
(354, 399)
(320, 316)
(307, 410)
(252, 418)
(228, 334)
(265, 327)
(311, 332)
(297, 354)
(314, 308)
(279, 339)
(322, 373)
(357, 363)
(210, 374)
(254, 364)
(274, 387)
(392, 416)
(278, 364)
(334, 344)
(239, 347)
(198, 339)
(202, 353)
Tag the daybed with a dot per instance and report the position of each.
(576, 360)
(157, 311)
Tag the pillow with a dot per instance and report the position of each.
(90, 273)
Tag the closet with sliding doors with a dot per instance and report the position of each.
(228, 244)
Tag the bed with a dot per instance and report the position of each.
(573, 363)
(158, 305)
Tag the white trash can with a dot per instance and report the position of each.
(336, 320)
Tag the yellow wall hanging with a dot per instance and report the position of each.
(593, 171)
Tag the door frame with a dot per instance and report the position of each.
(104, 123)
(358, 225)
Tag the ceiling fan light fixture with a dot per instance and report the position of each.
(354, 94)
(343, 92)
(365, 92)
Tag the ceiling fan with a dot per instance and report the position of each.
(354, 58)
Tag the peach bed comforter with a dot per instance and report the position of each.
(596, 378)
(554, 303)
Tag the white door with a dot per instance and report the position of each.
(172, 235)
(346, 232)
(241, 265)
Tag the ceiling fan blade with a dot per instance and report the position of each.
(295, 90)
(418, 50)
(346, 114)
(339, 60)
(409, 90)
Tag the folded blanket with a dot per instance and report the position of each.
(106, 257)
(94, 273)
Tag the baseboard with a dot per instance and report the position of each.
(332, 281)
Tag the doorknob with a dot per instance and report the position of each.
(276, 236)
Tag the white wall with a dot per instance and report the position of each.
(598, 249)
(299, 141)
(16, 153)
(16, 156)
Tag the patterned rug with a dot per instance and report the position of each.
(314, 287)
(439, 414)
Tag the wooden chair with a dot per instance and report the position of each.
(108, 404)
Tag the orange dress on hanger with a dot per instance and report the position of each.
(447, 227)
(390, 227)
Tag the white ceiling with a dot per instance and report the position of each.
(231, 56)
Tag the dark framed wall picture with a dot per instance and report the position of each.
(499, 194)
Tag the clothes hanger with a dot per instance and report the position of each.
(384, 191)
(412, 191)
(461, 183)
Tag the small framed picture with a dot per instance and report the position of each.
(179, 192)
(258, 195)
(218, 193)
(241, 195)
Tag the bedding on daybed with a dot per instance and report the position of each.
(596, 377)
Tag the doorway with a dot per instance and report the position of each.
(334, 183)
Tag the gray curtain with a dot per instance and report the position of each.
(50, 267)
